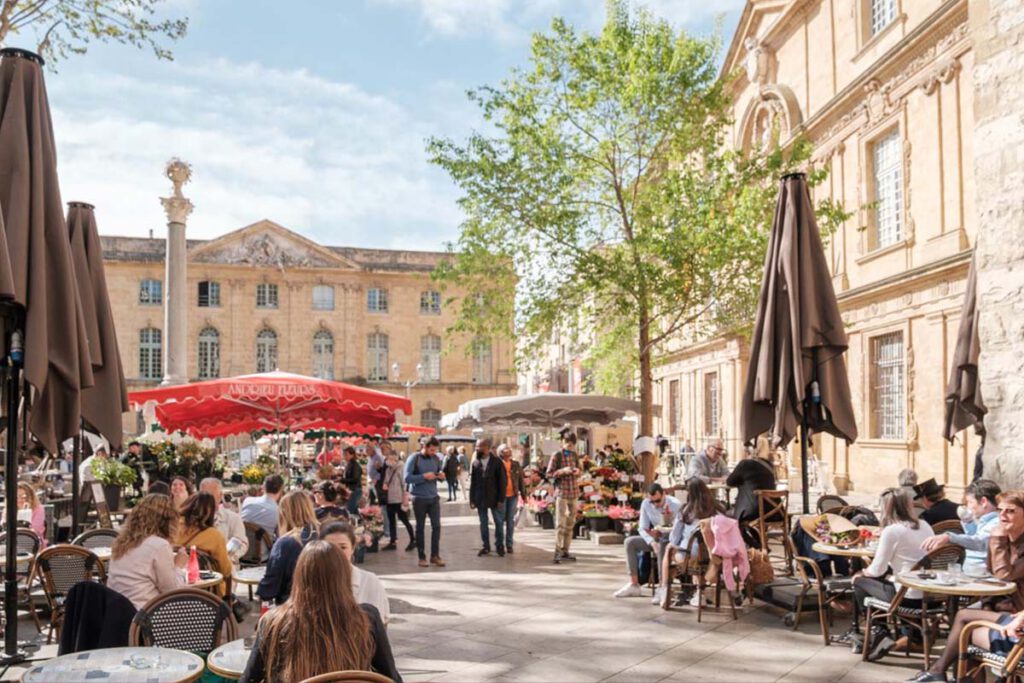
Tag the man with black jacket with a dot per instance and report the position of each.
(487, 486)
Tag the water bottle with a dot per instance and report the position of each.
(265, 607)
(17, 351)
(193, 566)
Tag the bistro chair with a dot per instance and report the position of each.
(259, 540)
(696, 568)
(59, 568)
(948, 525)
(25, 541)
(95, 538)
(773, 521)
(187, 619)
(1005, 667)
(349, 677)
(829, 503)
(826, 591)
(924, 619)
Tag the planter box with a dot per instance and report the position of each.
(546, 520)
(599, 523)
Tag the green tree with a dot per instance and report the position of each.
(60, 28)
(606, 183)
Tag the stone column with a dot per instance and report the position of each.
(997, 29)
(175, 341)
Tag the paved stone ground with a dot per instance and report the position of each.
(521, 618)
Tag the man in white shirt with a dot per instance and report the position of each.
(982, 518)
(227, 521)
(657, 510)
(262, 510)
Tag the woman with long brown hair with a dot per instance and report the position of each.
(197, 529)
(181, 489)
(321, 629)
(142, 563)
(297, 525)
(700, 504)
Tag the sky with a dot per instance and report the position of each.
(310, 113)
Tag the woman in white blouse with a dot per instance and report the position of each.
(366, 587)
(899, 549)
(142, 562)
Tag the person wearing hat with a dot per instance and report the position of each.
(937, 508)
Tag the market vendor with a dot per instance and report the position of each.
(657, 512)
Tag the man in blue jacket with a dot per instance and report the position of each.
(422, 472)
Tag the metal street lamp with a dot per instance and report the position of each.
(396, 371)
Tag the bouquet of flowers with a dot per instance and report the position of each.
(372, 524)
(622, 512)
(605, 473)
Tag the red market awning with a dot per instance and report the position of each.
(415, 429)
(274, 401)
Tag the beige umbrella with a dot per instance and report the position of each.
(56, 353)
(797, 374)
(105, 401)
(964, 404)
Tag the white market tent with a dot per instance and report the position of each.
(540, 411)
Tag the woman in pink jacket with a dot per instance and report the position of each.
(30, 510)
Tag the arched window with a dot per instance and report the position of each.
(377, 357)
(430, 417)
(482, 371)
(430, 354)
(149, 353)
(209, 353)
(323, 355)
(266, 350)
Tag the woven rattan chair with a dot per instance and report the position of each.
(59, 568)
(972, 659)
(25, 541)
(948, 525)
(924, 619)
(187, 619)
(773, 520)
(825, 590)
(96, 538)
(259, 540)
(695, 570)
(830, 503)
(349, 677)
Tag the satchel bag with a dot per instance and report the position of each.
(761, 570)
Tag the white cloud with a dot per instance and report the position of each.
(326, 158)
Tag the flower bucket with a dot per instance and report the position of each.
(599, 523)
(546, 520)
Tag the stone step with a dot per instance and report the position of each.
(606, 538)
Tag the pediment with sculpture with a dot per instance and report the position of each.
(267, 244)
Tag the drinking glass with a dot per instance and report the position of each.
(955, 571)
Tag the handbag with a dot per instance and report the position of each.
(406, 501)
(761, 570)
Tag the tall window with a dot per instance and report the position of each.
(209, 294)
(377, 300)
(209, 353)
(888, 166)
(149, 353)
(430, 356)
(430, 303)
(711, 404)
(377, 357)
(430, 417)
(323, 355)
(673, 407)
(323, 298)
(888, 395)
(266, 350)
(151, 292)
(481, 369)
(266, 296)
(883, 13)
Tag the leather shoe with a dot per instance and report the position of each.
(501, 552)
(437, 561)
(483, 551)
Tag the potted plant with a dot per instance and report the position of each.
(598, 520)
(114, 476)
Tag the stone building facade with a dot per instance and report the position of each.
(882, 88)
(263, 298)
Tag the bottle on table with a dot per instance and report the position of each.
(193, 565)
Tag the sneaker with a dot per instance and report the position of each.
(566, 557)
(424, 563)
(390, 546)
(557, 559)
(695, 599)
(659, 596)
(411, 546)
(483, 551)
(881, 649)
(437, 561)
(501, 552)
(630, 590)
(928, 677)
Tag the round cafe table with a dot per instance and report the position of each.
(859, 551)
(103, 552)
(719, 488)
(966, 586)
(22, 558)
(206, 583)
(229, 659)
(250, 576)
(119, 665)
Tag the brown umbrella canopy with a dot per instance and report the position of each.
(798, 334)
(56, 353)
(964, 405)
(105, 401)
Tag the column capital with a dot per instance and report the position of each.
(177, 209)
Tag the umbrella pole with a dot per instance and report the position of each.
(804, 439)
(76, 482)
(11, 654)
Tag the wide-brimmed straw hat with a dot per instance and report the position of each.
(835, 524)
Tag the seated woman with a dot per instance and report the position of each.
(365, 585)
(181, 489)
(142, 563)
(700, 504)
(327, 495)
(322, 628)
(1006, 562)
(899, 548)
(296, 525)
(197, 529)
(31, 512)
(754, 473)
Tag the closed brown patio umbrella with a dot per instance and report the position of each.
(797, 374)
(964, 404)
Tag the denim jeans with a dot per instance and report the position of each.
(511, 505)
(421, 507)
(499, 526)
(353, 500)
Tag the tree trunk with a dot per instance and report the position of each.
(648, 463)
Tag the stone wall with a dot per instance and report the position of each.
(997, 27)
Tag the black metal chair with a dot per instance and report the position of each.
(259, 541)
(830, 503)
(96, 538)
(187, 619)
(60, 567)
(25, 542)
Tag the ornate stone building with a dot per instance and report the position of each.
(883, 90)
(263, 298)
